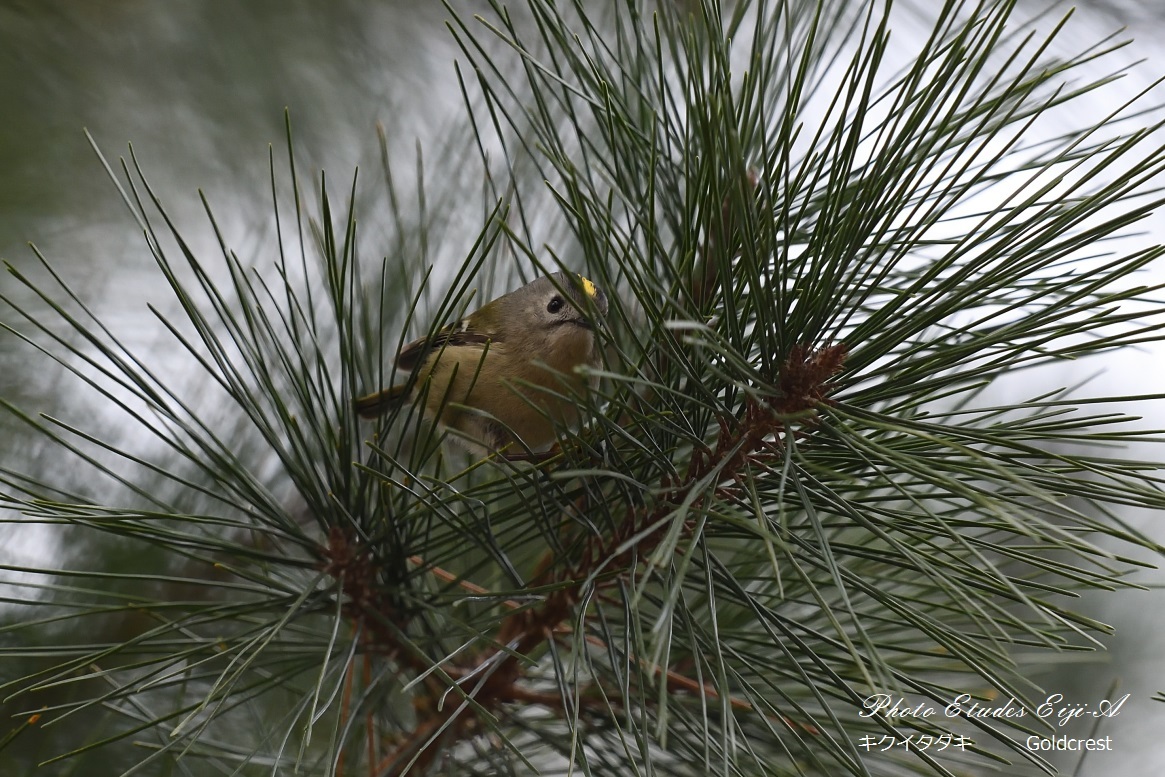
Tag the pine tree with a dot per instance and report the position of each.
(815, 470)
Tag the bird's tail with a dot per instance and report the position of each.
(381, 402)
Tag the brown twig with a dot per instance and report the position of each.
(496, 673)
(492, 677)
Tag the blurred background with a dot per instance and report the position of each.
(199, 88)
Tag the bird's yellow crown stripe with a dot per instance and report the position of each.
(588, 287)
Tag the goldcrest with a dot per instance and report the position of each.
(507, 371)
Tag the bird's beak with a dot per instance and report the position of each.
(600, 310)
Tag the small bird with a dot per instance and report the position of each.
(506, 372)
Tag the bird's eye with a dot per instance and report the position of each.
(555, 305)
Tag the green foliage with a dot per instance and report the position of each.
(810, 475)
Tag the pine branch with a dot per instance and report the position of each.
(800, 484)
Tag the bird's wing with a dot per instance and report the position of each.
(413, 354)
